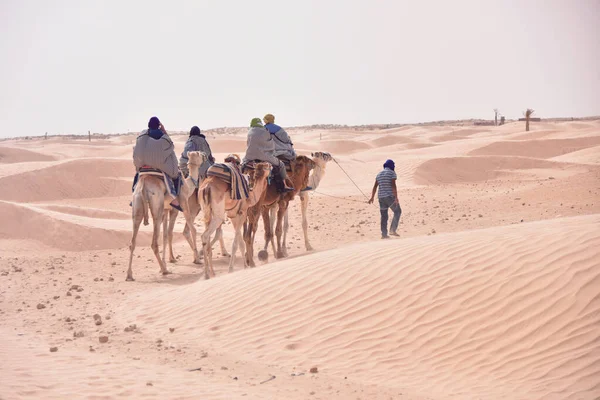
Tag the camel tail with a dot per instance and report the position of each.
(139, 188)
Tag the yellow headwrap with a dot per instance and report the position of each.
(269, 119)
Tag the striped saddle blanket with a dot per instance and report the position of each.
(231, 174)
(173, 186)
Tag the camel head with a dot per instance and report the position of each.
(262, 171)
(196, 158)
(321, 157)
(304, 162)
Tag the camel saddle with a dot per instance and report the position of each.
(230, 173)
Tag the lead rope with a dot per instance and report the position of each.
(334, 160)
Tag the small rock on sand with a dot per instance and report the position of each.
(40, 306)
(314, 370)
(103, 339)
(53, 349)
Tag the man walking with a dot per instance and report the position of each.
(388, 198)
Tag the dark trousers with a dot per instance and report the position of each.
(384, 204)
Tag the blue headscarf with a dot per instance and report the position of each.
(389, 164)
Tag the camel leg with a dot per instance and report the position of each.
(286, 226)
(213, 224)
(157, 217)
(279, 229)
(172, 219)
(249, 232)
(190, 214)
(237, 222)
(219, 237)
(137, 220)
(268, 215)
(165, 224)
(304, 207)
(191, 233)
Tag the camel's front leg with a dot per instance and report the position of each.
(213, 224)
(283, 204)
(304, 207)
(172, 219)
(191, 233)
(219, 237)
(189, 214)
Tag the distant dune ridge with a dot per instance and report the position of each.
(492, 291)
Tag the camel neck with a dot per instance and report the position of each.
(315, 177)
(258, 190)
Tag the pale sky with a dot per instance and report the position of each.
(108, 66)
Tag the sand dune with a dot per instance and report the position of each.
(24, 223)
(10, 155)
(89, 212)
(547, 148)
(474, 169)
(508, 312)
(74, 179)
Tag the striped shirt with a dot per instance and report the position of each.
(384, 180)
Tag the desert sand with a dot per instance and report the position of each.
(492, 291)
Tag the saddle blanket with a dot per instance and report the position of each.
(231, 174)
(173, 186)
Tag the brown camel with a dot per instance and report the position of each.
(299, 177)
(215, 199)
(189, 191)
(321, 159)
(150, 193)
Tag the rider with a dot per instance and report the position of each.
(261, 147)
(284, 148)
(155, 149)
(196, 142)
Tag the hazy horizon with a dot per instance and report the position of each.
(109, 66)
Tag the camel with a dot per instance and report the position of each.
(192, 183)
(299, 177)
(321, 159)
(216, 203)
(150, 193)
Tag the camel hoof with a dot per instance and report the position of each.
(166, 273)
(198, 262)
(129, 279)
(172, 261)
(309, 248)
(263, 255)
(280, 255)
(230, 270)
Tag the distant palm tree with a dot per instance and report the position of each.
(528, 113)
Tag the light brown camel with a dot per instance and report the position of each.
(321, 159)
(189, 191)
(150, 193)
(215, 200)
(299, 177)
